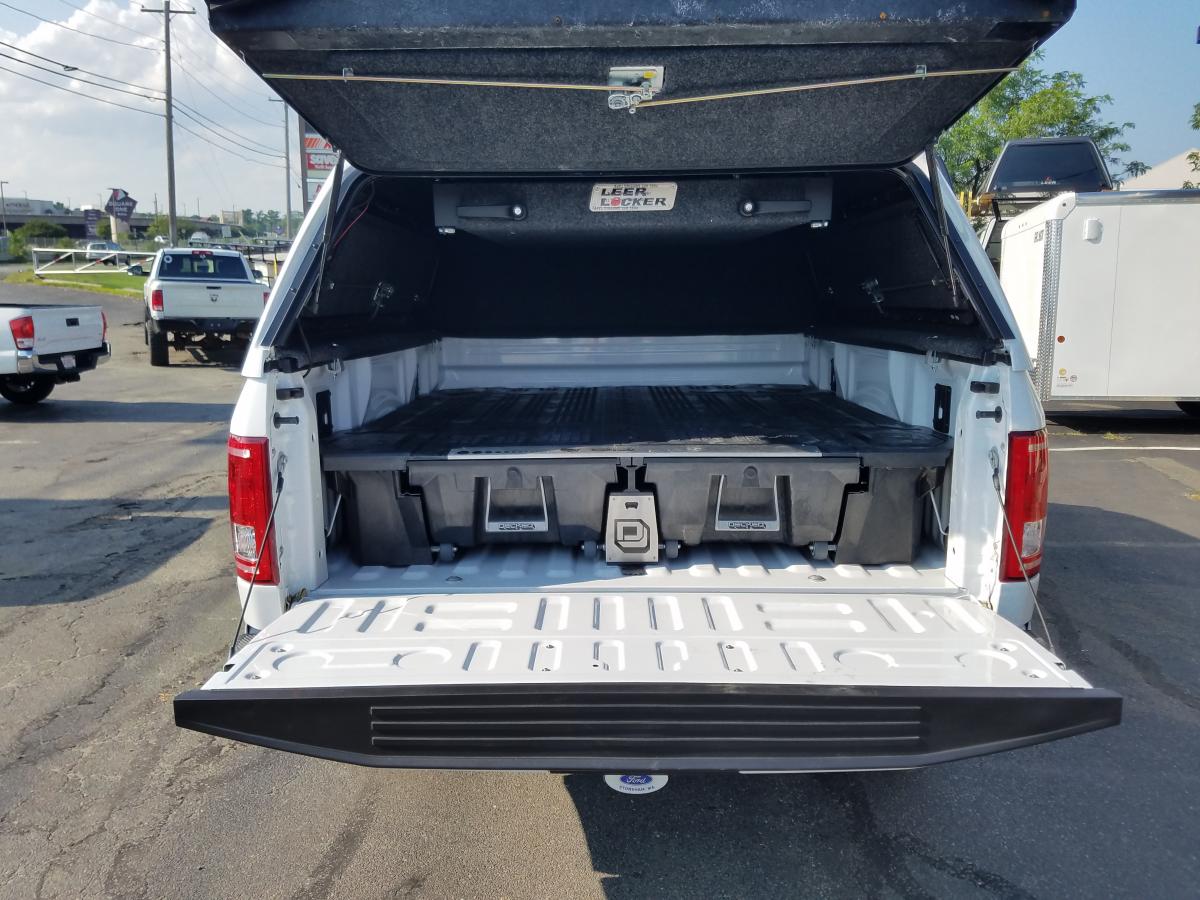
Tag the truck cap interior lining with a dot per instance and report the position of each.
(873, 274)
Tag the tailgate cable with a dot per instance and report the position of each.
(237, 631)
(994, 459)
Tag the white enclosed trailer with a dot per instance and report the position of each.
(1105, 288)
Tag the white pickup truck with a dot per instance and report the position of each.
(728, 461)
(196, 296)
(45, 345)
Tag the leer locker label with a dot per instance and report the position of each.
(656, 196)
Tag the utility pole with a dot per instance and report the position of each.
(3, 207)
(166, 12)
(287, 168)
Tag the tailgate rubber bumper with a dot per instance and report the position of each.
(647, 727)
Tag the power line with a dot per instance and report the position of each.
(201, 62)
(200, 84)
(79, 93)
(210, 123)
(69, 67)
(259, 162)
(215, 173)
(107, 87)
(88, 12)
(98, 37)
(185, 113)
(215, 125)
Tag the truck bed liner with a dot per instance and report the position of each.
(752, 420)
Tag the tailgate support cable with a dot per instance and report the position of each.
(237, 631)
(939, 202)
(994, 459)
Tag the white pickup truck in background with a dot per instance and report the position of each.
(45, 345)
(198, 296)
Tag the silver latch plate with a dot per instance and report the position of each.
(631, 528)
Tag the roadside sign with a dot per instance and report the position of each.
(120, 205)
(91, 219)
(318, 161)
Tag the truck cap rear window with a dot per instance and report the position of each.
(192, 265)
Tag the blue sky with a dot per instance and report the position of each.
(1142, 52)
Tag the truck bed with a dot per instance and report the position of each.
(755, 420)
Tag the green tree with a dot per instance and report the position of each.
(104, 229)
(159, 225)
(40, 233)
(1029, 103)
(1194, 156)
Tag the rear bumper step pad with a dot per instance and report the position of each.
(646, 727)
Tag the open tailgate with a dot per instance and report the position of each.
(583, 682)
(326, 58)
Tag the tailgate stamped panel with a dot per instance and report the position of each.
(671, 637)
(645, 682)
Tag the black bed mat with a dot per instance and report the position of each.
(784, 420)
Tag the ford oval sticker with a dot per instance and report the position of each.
(636, 784)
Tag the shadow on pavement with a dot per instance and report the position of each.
(770, 836)
(210, 356)
(1159, 420)
(1118, 592)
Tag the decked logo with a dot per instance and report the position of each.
(649, 197)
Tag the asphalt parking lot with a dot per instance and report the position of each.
(116, 592)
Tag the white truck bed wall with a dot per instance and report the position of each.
(900, 385)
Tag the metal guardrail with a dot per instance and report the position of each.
(57, 261)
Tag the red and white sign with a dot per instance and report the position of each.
(320, 160)
(313, 141)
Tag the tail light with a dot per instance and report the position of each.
(249, 508)
(22, 332)
(266, 297)
(156, 300)
(1025, 502)
(103, 327)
